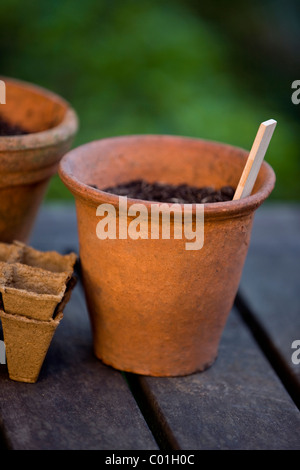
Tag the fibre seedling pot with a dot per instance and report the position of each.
(31, 292)
(157, 308)
(27, 162)
(9, 252)
(27, 342)
(48, 260)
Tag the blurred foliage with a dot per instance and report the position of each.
(165, 67)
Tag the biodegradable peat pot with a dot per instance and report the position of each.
(48, 260)
(27, 162)
(32, 292)
(27, 342)
(155, 307)
(9, 252)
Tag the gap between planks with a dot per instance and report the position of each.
(152, 413)
(148, 407)
(265, 343)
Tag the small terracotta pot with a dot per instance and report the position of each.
(27, 342)
(27, 162)
(155, 307)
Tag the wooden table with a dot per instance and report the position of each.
(249, 399)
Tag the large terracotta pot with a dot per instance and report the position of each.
(27, 162)
(155, 307)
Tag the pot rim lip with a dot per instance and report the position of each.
(63, 131)
(220, 210)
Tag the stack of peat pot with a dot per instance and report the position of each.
(35, 286)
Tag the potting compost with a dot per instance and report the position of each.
(7, 128)
(163, 192)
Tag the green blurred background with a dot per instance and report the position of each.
(213, 70)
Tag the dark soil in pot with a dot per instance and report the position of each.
(163, 192)
(7, 128)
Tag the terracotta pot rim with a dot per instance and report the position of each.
(220, 210)
(62, 132)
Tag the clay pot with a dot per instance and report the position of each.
(27, 162)
(155, 307)
(27, 342)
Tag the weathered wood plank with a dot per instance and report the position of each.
(271, 286)
(239, 403)
(77, 403)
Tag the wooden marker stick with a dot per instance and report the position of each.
(255, 159)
